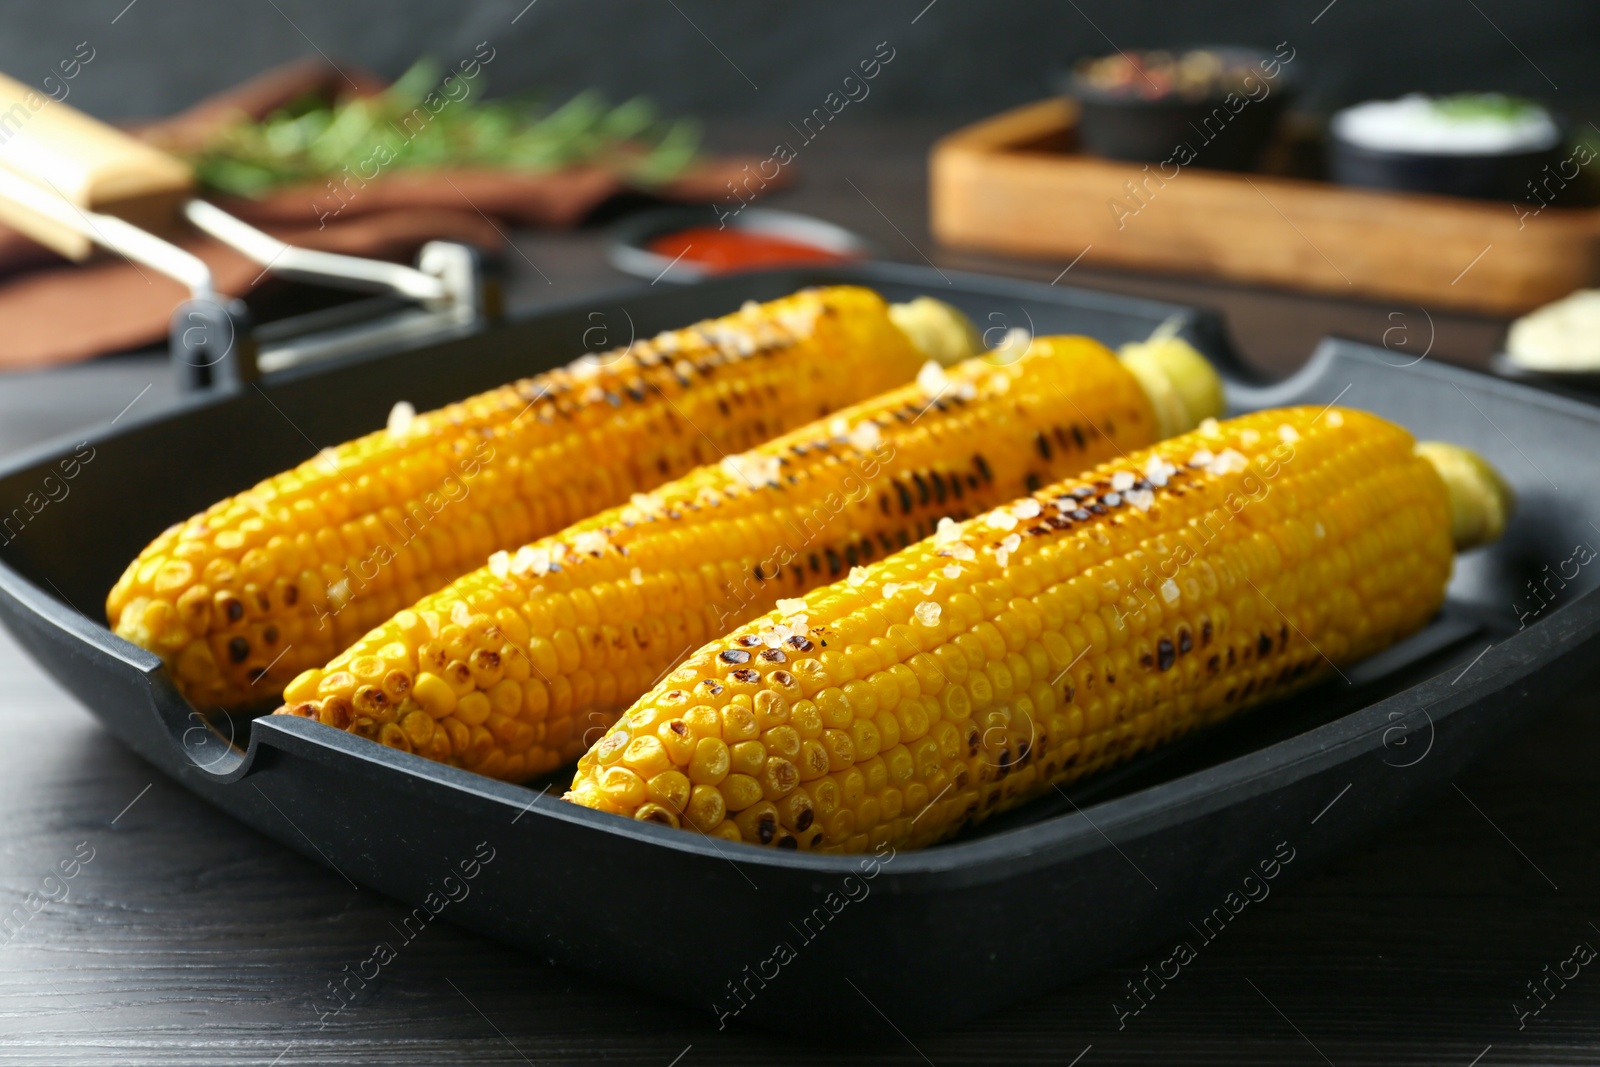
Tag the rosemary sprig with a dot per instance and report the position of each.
(403, 127)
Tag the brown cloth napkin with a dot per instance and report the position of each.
(53, 311)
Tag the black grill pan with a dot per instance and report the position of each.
(1124, 863)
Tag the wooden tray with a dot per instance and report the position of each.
(1015, 184)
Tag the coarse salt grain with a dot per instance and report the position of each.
(1202, 457)
(946, 532)
(1027, 509)
(858, 576)
(753, 468)
(1209, 426)
(932, 379)
(1012, 543)
(865, 434)
(1122, 481)
(1249, 438)
(590, 542)
(401, 416)
(927, 613)
(500, 564)
(890, 589)
(1169, 590)
(953, 571)
(1000, 519)
(962, 550)
(790, 605)
(1143, 499)
(1228, 461)
(1158, 470)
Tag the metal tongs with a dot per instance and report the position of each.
(73, 183)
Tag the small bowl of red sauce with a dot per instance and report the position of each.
(687, 245)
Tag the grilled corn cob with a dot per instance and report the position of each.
(243, 597)
(518, 667)
(1050, 637)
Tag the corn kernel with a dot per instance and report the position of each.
(394, 737)
(678, 739)
(812, 760)
(758, 824)
(738, 724)
(710, 763)
(505, 697)
(303, 688)
(705, 808)
(671, 789)
(778, 778)
(646, 755)
(840, 748)
(418, 726)
(782, 741)
(747, 757)
(739, 791)
(622, 787)
(657, 813)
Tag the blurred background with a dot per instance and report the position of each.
(727, 85)
(962, 59)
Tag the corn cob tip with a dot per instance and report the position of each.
(1182, 385)
(1481, 503)
(939, 331)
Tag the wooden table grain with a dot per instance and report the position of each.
(182, 937)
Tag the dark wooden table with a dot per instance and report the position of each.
(188, 939)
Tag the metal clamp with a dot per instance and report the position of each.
(212, 340)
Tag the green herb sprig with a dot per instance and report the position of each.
(312, 139)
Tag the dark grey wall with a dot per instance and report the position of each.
(960, 58)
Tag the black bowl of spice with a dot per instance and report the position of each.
(1208, 107)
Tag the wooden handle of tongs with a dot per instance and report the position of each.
(95, 168)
